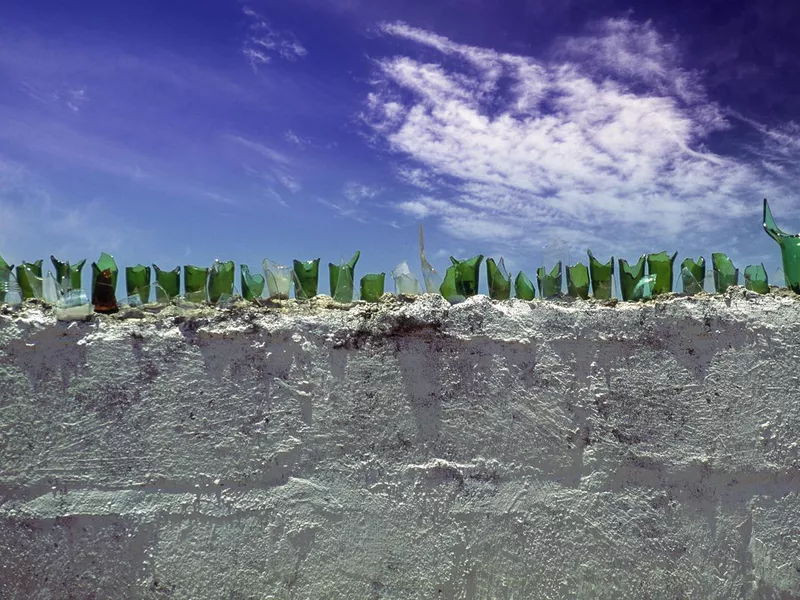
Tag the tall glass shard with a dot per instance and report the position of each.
(405, 282)
(169, 282)
(452, 286)
(660, 265)
(7, 279)
(523, 287)
(755, 279)
(469, 271)
(195, 282)
(498, 279)
(252, 285)
(220, 281)
(104, 284)
(341, 279)
(51, 289)
(137, 281)
(602, 277)
(790, 249)
(725, 274)
(630, 276)
(67, 275)
(306, 278)
(433, 281)
(29, 278)
(279, 279)
(549, 283)
(693, 274)
(578, 281)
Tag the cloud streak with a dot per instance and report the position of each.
(263, 42)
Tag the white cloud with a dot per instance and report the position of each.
(355, 191)
(262, 42)
(609, 132)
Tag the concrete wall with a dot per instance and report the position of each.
(404, 450)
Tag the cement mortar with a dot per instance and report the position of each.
(407, 449)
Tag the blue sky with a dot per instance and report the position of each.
(179, 132)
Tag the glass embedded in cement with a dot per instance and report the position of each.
(602, 277)
(73, 305)
(630, 276)
(137, 281)
(433, 281)
(51, 288)
(549, 283)
(195, 282)
(725, 274)
(306, 278)
(498, 279)
(104, 284)
(452, 287)
(755, 279)
(644, 289)
(405, 282)
(661, 265)
(469, 271)
(169, 282)
(578, 281)
(279, 279)
(693, 275)
(67, 275)
(790, 249)
(252, 285)
(29, 279)
(523, 287)
(341, 279)
(220, 280)
(372, 286)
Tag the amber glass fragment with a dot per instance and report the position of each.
(498, 279)
(137, 281)
(602, 276)
(549, 283)
(104, 284)
(660, 265)
(169, 282)
(523, 287)
(279, 279)
(220, 281)
(790, 250)
(372, 286)
(341, 278)
(725, 274)
(629, 277)
(469, 271)
(252, 285)
(306, 278)
(755, 279)
(195, 281)
(67, 275)
(405, 282)
(693, 274)
(29, 278)
(578, 281)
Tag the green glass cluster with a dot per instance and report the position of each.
(67, 275)
(461, 279)
(630, 277)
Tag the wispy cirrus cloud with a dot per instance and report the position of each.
(609, 131)
(263, 42)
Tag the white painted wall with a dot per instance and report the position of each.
(404, 450)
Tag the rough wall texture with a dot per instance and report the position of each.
(404, 450)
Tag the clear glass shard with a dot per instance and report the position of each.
(755, 279)
(279, 279)
(74, 306)
(498, 279)
(405, 282)
(644, 288)
(10, 292)
(51, 289)
(556, 250)
(433, 281)
(549, 283)
(779, 279)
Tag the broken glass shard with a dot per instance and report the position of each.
(469, 271)
(725, 274)
(252, 285)
(169, 282)
(498, 279)
(341, 278)
(137, 281)
(452, 286)
(104, 284)
(779, 279)
(644, 289)
(195, 282)
(693, 275)
(67, 275)
(279, 279)
(630, 276)
(372, 286)
(549, 283)
(29, 278)
(220, 280)
(790, 249)
(6, 275)
(51, 289)
(405, 282)
(578, 281)
(660, 265)
(602, 276)
(74, 305)
(755, 279)
(306, 278)
(432, 279)
(523, 287)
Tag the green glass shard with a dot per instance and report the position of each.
(693, 275)
(469, 274)
(725, 274)
(433, 281)
(630, 276)
(405, 282)
(755, 279)
(306, 278)
(644, 289)
(602, 276)
(29, 278)
(67, 275)
(104, 284)
(341, 278)
(372, 286)
(578, 281)
(549, 283)
(790, 250)
(498, 279)
(7, 279)
(279, 279)
(195, 281)
(252, 285)
(523, 287)
(137, 281)
(220, 281)
(169, 282)
(4, 265)
(660, 265)
(452, 286)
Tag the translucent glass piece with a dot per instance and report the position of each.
(372, 286)
(469, 274)
(227, 300)
(644, 289)
(523, 287)
(195, 281)
(6, 275)
(661, 265)
(74, 305)
(29, 278)
(498, 279)
(67, 275)
(341, 279)
(169, 282)
(51, 289)
(10, 292)
(755, 279)
(452, 286)
(405, 282)
(693, 275)
(104, 284)
(602, 277)
(630, 276)
(137, 281)
(433, 281)
(252, 285)
(555, 251)
(725, 274)
(790, 250)
(279, 279)
(578, 281)
(779, 279)
(220, 280)
(306, 278)
(549, 283)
